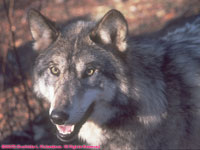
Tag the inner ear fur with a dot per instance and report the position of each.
(43, 31)
(112, 29)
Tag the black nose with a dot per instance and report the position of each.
(58, 117)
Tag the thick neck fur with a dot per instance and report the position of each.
(145, 105)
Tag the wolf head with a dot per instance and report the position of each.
(80, 70)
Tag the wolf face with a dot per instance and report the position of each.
(79, 69)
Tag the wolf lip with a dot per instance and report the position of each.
(68, 133)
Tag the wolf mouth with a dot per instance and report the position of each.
(68, 133)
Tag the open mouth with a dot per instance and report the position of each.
(68, 133)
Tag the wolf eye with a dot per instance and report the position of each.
(89, 71)
(55, 71)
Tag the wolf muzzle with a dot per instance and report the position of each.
(67, 132)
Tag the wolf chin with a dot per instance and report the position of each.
(116, 91)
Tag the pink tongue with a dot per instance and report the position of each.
(65, 128)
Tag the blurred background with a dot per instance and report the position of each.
(23, 118)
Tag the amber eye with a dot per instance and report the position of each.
(55, 71)
(89, 71)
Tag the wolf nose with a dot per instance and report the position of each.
(58, 117)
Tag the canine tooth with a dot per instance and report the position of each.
(72, 128)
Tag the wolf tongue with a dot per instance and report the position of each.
(65, 128)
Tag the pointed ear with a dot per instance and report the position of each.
(112, 29)
(43, 30)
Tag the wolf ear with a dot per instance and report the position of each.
(112, 29)
(43, 30)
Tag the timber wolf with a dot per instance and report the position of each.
(110, 89)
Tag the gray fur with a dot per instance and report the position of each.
(143, 94)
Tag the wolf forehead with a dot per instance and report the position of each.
(77, 29)
(71, 43)
(74, 38)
